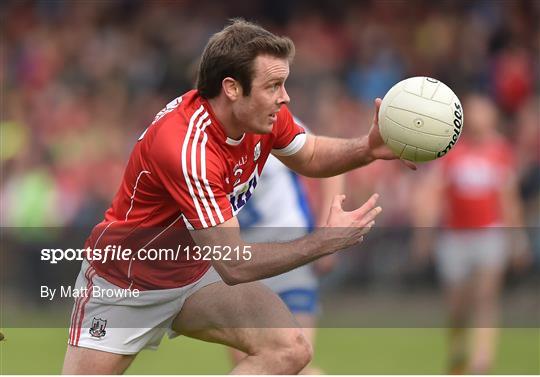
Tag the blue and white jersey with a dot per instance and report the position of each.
(280, 201)
(278, 211)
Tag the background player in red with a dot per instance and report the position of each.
(473, 194)
(193, 169)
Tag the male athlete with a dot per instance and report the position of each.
(193, 169)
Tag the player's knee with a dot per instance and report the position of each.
(296, 353)
(305, 350)
(285, 352)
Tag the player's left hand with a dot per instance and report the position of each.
(378, 149)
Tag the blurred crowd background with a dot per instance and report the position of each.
(81, 80)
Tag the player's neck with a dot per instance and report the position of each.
(225, 117)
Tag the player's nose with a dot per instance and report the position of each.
(283, 98)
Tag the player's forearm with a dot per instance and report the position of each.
(271, 259)
(329, 188)
(333, 156)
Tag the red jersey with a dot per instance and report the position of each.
(183, 173)
(474, 175)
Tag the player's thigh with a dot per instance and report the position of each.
(488, 282)
(80, 360)
(248, 317)
(490, 263)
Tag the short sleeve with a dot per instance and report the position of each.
(290, 136)
(192, 175)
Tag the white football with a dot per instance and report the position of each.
(420, 119)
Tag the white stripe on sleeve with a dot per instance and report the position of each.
(294, 146)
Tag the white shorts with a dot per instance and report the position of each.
(462, 253)
(126, 324)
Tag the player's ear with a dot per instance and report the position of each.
(231, 88)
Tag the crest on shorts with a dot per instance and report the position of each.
(98, 327)
(257, 152)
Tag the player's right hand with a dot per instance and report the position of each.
(346, 229)
(377, 146)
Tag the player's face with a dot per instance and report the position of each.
(482, 118)
(258, 111)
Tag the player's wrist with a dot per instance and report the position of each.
(322, 243)
(367, 152)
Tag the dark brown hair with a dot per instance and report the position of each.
(232, 52)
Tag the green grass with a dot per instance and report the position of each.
(339, 351)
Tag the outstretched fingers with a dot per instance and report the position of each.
(365, 215)
(369, 218)
(359, 213)
(337, 203)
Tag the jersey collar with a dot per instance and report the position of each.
(220, 128)
(234, 142)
